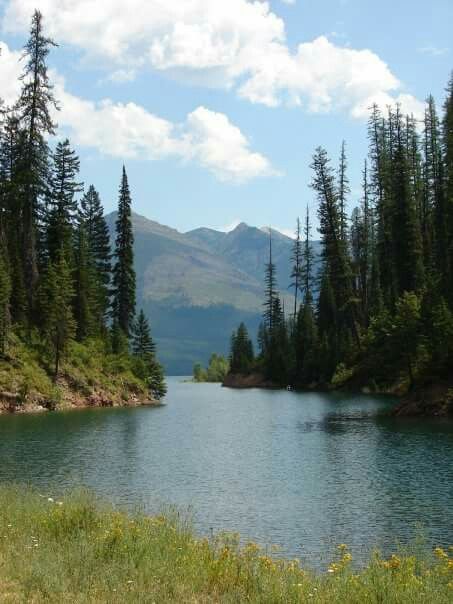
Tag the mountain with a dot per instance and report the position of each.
(196, 287)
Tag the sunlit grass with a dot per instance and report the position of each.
(80, 550)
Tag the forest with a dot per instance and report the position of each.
(384, 314)
(65, 290)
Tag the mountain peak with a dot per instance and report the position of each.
(242, 226)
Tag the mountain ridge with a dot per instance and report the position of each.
(196, 287)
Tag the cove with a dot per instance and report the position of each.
(305, 472)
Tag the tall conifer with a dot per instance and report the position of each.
(33, 109)
(124, 280)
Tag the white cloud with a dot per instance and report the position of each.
(129, 131)
(238, 44)
(10, 71)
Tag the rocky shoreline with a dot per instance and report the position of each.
(14, 403)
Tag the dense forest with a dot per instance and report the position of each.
(62, 287)
(384, 314)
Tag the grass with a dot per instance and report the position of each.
(88, 369)
(80, 550)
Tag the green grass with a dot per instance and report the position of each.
(87, 369)
(80, 550)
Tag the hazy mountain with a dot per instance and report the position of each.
(196, 287)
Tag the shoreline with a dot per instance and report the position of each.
(106, 555)
(428, 400)
(11, 404)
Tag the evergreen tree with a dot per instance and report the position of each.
(143, 349)
(296, 274)
(34, 113)
(306, 344)
(5, 293)
(271, 293)
(86, 309)
(11, 169)
(142, 342)
(335, 253)
(61, 214)
(91, 216)
(343, 192)
(277, 359)
(241, 352)
(407, 246)
(59, 326)
(123, 271)
(447, 144)
(307, 262)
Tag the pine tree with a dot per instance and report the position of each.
(143, 349)
(447, 144)
(407, 246)
(335, 252)
(12, 147)
(91, 215)
(433, 226)
(276, 363)
(343, 192)
(61, 214)
(241, 352)
(86, 309)
(271, 293)
(5, 293)
(308, 258)
(124, 279)
(34, 113)
(380, 173)
(296, 273)
(306, 344)
(59, 326)
(142, 342)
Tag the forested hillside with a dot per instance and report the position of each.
(196, 287)
(383, 317)
(67, 299)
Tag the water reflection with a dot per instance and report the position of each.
(305, 471)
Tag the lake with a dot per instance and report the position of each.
(302, 471)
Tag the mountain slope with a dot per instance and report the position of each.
(196, 287)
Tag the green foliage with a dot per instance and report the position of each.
(55, 271)
(59, 326)
(123, 270)
(5, 293)
(142, 342)
(241, 351)
(91, 217)
(385, 306)
(61, 210)
(72, 547)
(216, 371)
(147, 367)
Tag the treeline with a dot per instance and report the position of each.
(59, 279)
(216, 371)
(384, 314)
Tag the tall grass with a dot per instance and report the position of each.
(80, 550)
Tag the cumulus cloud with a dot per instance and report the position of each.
(129, 131)
(239, 44)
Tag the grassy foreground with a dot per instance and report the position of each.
(79, 550)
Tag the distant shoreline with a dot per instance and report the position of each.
(431, 400)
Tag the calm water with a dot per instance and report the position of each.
(304, 471)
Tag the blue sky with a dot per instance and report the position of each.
(216, 107)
